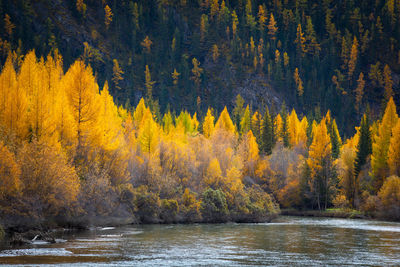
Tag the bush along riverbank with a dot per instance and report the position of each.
(213, 206)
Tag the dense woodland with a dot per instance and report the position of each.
(69, 153)
(314, 55)
(197, 111)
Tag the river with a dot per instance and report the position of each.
(294, 241)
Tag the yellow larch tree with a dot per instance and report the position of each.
(262, 18)
(353, 57)
(249, 152)
(278, 126)
(148, 134)
(215, 52)
(65, 120)
(272, 28)
(108, 15)
(175, 77)
(41, 104)
(8, 25)
(146, 43)
(117, 74)
(109, 123)
(224, 122)
(208, 124)
(235, 23)
(213, 177)
(298, 81)
(214, 8)
(380, 146)
(321, 164)
(394, 151)
(302, 132)
(293, 128)
(82, 91)
(300, 40)
(139, 112)
(13, 102)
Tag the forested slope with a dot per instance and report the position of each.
(314, 55)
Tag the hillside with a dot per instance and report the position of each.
(315, 56)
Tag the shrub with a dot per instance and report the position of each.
(147, 205)
(214, 207)
(390, 197)
(190, 207)
(50, 183)
(169, 210)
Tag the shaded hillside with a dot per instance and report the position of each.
(336, 55)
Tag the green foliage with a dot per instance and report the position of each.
(364, 146)
(267, 136)
(147, 204)
(213, 206)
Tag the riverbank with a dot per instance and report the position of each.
(329, 213)
(49, 231)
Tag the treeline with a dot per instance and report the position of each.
(331, 55)
(68, 153)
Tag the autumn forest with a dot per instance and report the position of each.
(197, 111)
(68, 151)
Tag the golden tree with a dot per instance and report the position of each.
(380, 146)
(8, 25)
(208, 124)
(272, 28)
(298, 81)
(146, 43)
(117, 74)
(81, 89)
(108, 16)
(321, 164)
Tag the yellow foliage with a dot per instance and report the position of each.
(224, 122)
(109, 122)
(208, 125)
(82, 93)
(140, 110)
(148, 134)
(213, 174)
(390, 192)
(278, 122)
(47, 175)
(13, 102)
(10, 184)
(380, 146)
(394, 150)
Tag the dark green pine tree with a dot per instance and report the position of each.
(285, 132)
(364, 146)
(238, 111)
(335, 141)
(267, 135)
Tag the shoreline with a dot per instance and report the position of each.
(333, 213)
(21, 238)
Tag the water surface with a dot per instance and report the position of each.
(291, 241)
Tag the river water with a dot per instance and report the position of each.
(293, 241)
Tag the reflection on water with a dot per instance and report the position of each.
(287, 241)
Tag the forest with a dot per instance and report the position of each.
(69, 154)
(315, 56)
